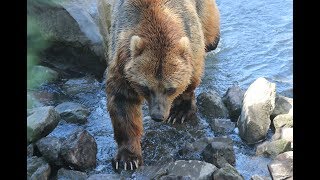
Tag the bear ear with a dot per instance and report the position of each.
(184, 46)
(136, 46)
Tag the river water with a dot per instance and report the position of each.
(256, 41)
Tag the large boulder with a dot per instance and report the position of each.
(37, 169)
(65, 174)
(233, 101)
(282, 166)
(211, 106)
(227, 172)
(73, 112)
(41, 122)
(79, 150)
(219, 152)
(72, 28)
(258, 104)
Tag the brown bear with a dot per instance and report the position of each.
(156, 51)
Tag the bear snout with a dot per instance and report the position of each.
(157, 117)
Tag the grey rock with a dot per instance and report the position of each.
(258, 104)
(273, 148)
(227, 172)
(287, 134)
(30, 150)
(233, 101)
(81, 85)
(283, 120)
(44, 74)
(287, 93)
(211, 106)
(257, 177)
(50, 148)
(193, 169)
(282, 166)
(65, 174)
(283, 105)
(222, 126)
(37, 168)
(73, 112)
(175, 177)
(32, 102)
(79, 150)
(41, 122)
(104, 176)
(219, 152)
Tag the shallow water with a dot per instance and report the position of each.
(256, 40)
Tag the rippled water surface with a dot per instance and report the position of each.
(256, 40)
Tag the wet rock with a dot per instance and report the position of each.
(38, 168)
(258, 104)
(273, 148)
(79, 150)
(257, 177)
(42, 74)
(276, 135)
(219, 152)
(287, 134)
(72, 28)
(50, 148)
(233, 101)
(287, 93)
(227, 172)
(32, 102)
(41, 122)
(192, 169)
(283, 105)
(175, 177)
(211, 106)
(283, 120)
(222, 126)
(30, 150)
(196, 147)
(65, 174)
(81, 85)
(104, 176)
(73, 112)
(282, 166)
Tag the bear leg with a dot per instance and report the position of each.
(126, 119)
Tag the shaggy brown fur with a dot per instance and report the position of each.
(157, 51)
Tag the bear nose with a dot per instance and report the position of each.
(157, 117)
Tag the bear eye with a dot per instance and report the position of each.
(145, 90)
(170, 91)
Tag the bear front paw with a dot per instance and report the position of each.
(182, 111)
(127, 160)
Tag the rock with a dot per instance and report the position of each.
(73, 112)
(287, 93)
(233, 101)
(42, 74)
(283, 120)
(287, 134)
(30, 150)
(73, 31)
(273, 148)
(283, 105)
(193, 169)
(37, 168)
(282, 166)
(222, 126)
(50, 148)
(104, 176)
(32, 102)
(257, 177)
(79, 150)
(219, 152)
(227, 172)
(211, 105)
(65, 174)
(81, 85)
(175, 177)
(258, 104)
(41, 122)
(104, 13)
(276, 135)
